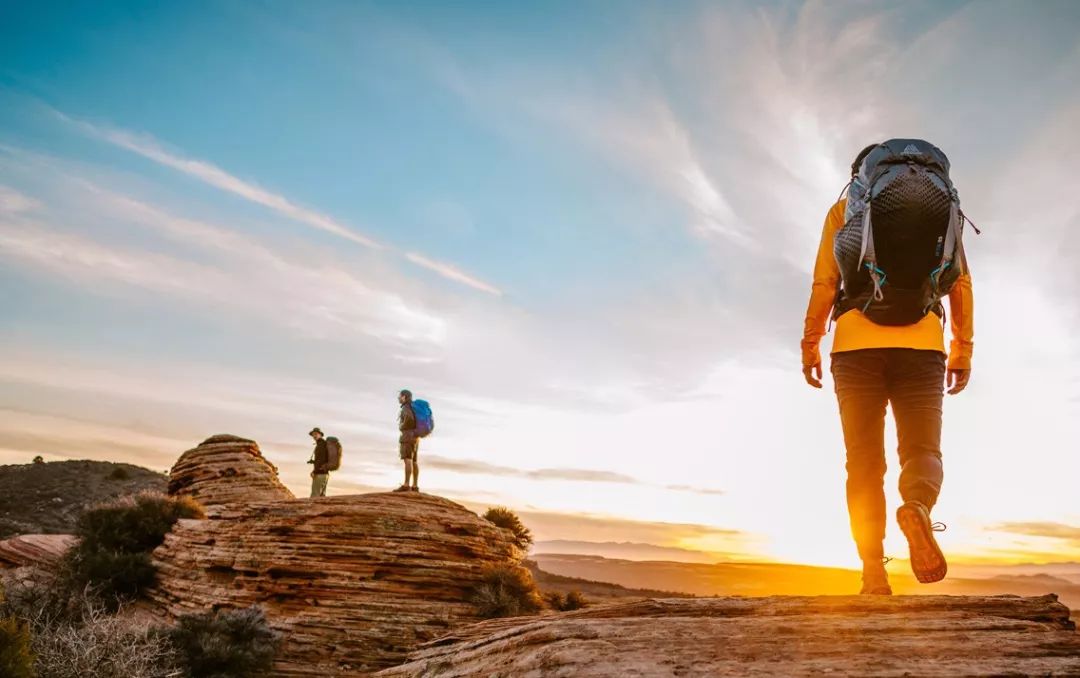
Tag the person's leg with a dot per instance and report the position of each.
(916, 390)
(318, 484)
(916, 386)
(859, 378)
(416, 466)
(408, 472)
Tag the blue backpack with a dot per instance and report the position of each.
(425, 423)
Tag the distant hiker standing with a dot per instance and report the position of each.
(891, 250)
(326, 458)
(414, 422)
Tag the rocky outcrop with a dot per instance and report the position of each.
(353, 583)
(34, 549)
(777, 636)
(225, 469)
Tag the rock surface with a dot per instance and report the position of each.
(224, 469)
(353, 583)
(773, 636)
(34, 549)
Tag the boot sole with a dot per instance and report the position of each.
(927, 560)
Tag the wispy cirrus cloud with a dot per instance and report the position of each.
(452, 273)
(212, 175)
(13, 202)
(473, 466)
(1050, 530)
(258, 280)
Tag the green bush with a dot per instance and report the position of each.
(560, 603)
(133, 524)
(574, 601)
(225, 643)
(116, 577)
(506, 591)
(508, 520)
(119, 473)
(113, 554)
(16, 661)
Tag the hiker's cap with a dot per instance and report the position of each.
(314, 431)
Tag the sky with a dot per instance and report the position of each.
(583, 231)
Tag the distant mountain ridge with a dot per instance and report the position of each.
(767, 579)
(48, 498)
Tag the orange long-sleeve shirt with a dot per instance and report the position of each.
(855, 331)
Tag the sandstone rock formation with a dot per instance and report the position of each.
(777, 636)
(34, 549)
(353, 583)
(225, 469)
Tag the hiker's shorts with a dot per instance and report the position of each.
(409, 448)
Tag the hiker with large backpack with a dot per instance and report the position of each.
(414, 422)
(891, 251)
(326, 458)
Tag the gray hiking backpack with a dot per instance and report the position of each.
(333, 454)
(901, 248)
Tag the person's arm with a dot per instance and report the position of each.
(962, 323)
(406, 420)
(822, 296)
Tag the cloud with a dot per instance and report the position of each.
(14, 202)
(472, 466)
(234, 270)
(215, 176)
(212, 175)
(452, 273)
(1050, 530)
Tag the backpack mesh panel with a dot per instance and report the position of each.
(910, 219)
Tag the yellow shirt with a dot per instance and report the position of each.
(854, 331)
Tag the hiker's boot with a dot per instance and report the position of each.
(875, 580)
(403, 488)
(414, 488)
(927, 560)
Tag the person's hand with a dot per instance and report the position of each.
(957, 380)
(312, 474)
(812, 374)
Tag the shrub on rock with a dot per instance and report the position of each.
(560, 603)
(506, 591)
(16, 661)
(508, 520)
(225, 644)
(116, 538)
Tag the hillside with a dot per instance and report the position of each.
(48, 498)
(594, 591)
(769, 579)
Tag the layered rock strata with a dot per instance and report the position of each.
(34, 549)
(775, 636)
(353, 583)
(224, 469)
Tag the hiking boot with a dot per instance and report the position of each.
(927, 560)
(414, 488)
(403, 488)
(875, 580)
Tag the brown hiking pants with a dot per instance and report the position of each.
(913, 382)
